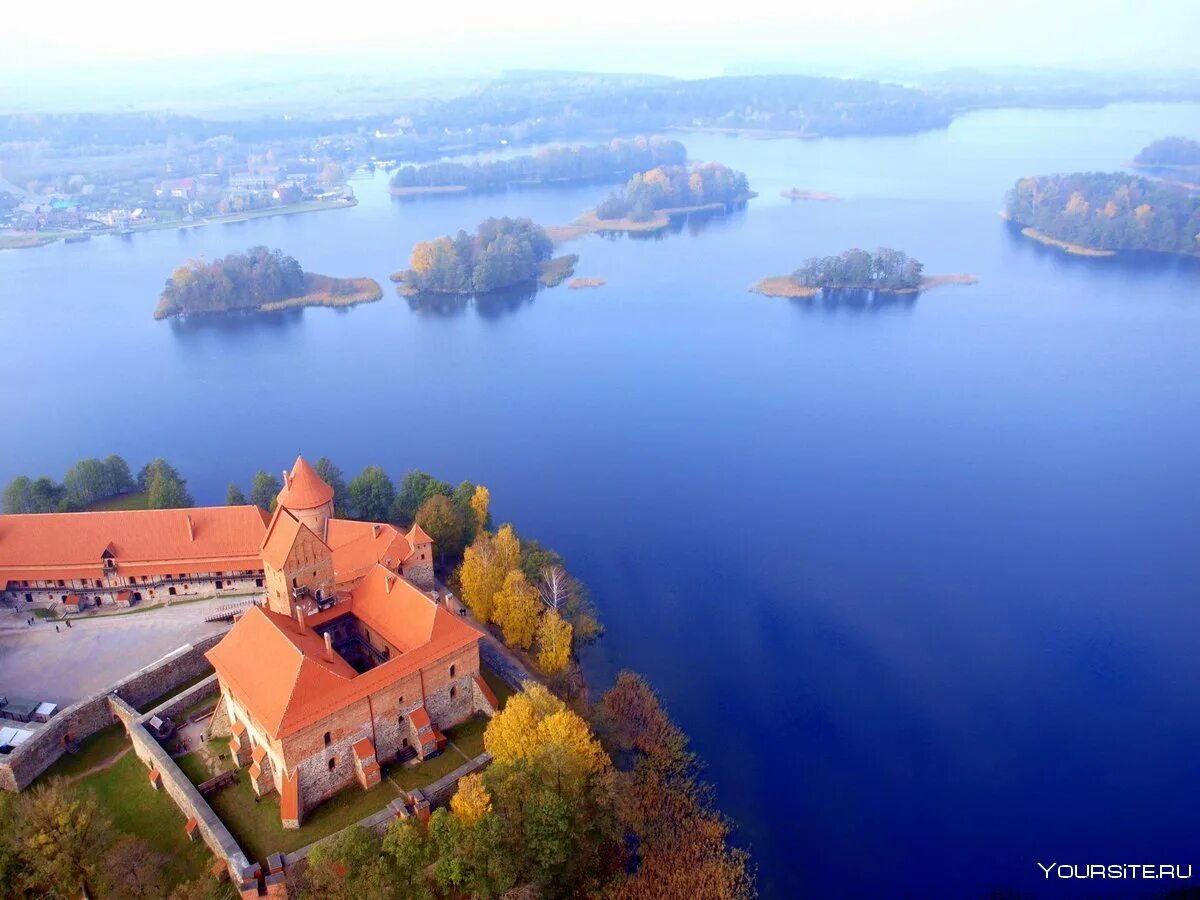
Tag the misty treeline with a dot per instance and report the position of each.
(1170, 151)
(560, 164)
(673, 187)
(502, 253)
(237, 281)
(1108, 211)
(885, 269)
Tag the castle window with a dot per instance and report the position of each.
(332, 763)
(258, 582)
(453, 692)
(452, 671)
(401, 720)
(328, 739)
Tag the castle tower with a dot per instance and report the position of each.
(307, 497)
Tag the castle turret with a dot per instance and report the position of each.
(307, 497)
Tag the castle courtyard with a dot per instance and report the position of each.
(76, 662)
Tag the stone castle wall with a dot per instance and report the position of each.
(182, 791)
(26, 762)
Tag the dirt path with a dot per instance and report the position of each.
(100, 766)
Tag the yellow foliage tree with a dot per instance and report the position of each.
(480, 502)
(536, 726)
(554, 643)
(486, 564)
(517, 608)
(471, 802)
(508, 549)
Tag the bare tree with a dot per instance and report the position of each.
(555, 586)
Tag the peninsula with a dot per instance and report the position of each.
(886, 271)
(1102, 213)
(502, 253)
(261, 280)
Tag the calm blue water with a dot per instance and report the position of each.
(919, 578)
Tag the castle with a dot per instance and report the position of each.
(349, 662)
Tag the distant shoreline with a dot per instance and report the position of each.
(22, 241)
(323, 290)
(418, 191)
(783, 286)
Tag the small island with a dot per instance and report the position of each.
(652, 198)
(799, 194)
(552, 165)
(261, 280)
(503, 253)
(1103, 213)
(578, 283)
(886, 271)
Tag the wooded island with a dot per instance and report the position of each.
(1100, 213)
(259, 279)
(502, 253)
(886, 271)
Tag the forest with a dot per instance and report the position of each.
(1169, 151)
(92, 481)
(1108, 211)
(237, 281)
(502, 253)
(560, 164)
(675, 187)
(884, 270)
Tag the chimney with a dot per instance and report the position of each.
(375, 530)
(329, 646)
(302, 619)
(191, 528)
(387, 583)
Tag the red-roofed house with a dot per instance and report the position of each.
(349, 664)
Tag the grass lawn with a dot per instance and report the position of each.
(257, 828)
(44, 613)
(194, 766)
(124, 793)
(409, 777)
(132, 500)
(468, 736)
(102, 745)
(498, 685)
(164, 697)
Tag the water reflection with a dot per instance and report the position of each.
(856, 301)
(1129, 262)
(247, 323)
(492, 305)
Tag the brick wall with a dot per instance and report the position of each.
(19, 768)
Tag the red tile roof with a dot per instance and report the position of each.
(282, 532)
(50, 546)
(364, 749)
(359, 546)
(289, 797)
(487, 692)
(303, 488)
(283, 674)
(416, 535)
(420, 718)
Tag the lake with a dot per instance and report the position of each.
(918, 577)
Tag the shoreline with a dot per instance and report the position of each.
(1065, 246)
(324, 290)
(420, 191)
(783, 286)
(796, 194)
(590, 282)
(24, 240)
(590, 223)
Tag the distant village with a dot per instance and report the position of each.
(76, 207)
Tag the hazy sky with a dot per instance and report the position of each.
(668, 36)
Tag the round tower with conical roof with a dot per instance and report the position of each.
(307, 497)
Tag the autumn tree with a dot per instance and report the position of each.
(471, 801)
(349, 866)
(416, 488)
(264, 492)
(517, 608)
(481, 501)
(443, 521)
(134, 870)
(486, 564)
(554, 643)
(60, 837)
